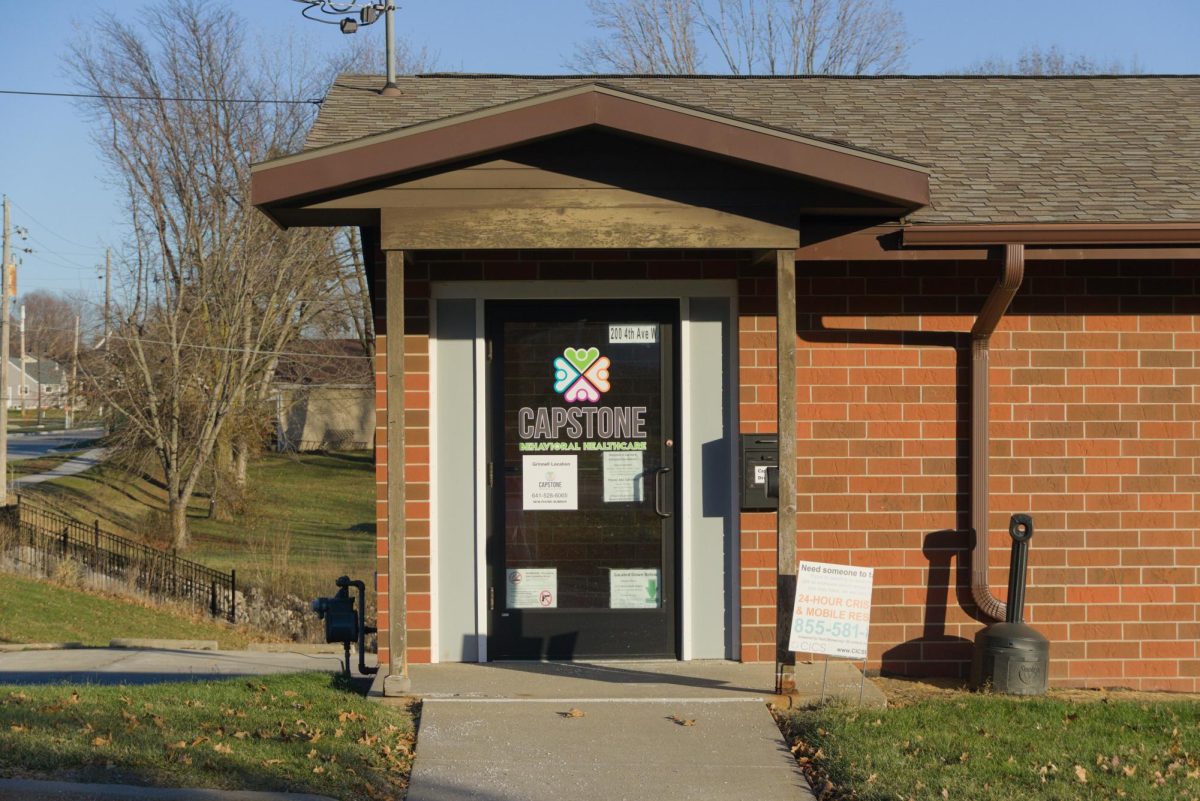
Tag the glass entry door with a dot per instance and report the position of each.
(582, 476)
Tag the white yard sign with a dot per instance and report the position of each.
(531, 588)
(832, 614)
(550, 482)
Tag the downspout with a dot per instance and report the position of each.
(993, 311)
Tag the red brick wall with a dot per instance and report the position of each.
(757, 414)
(1093, 414)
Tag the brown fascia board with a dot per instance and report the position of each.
(340, 168)
(1050, 234)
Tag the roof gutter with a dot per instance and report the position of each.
(1167, 233)
(993, 311)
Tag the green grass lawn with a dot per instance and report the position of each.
(306, 733)
(309, 518)
(992, 748)
(41, 611)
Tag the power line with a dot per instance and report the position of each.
(90, 96)
(219, 348)
(50, 230)
(60, 260)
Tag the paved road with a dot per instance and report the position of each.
(121, 666)
(30, 446)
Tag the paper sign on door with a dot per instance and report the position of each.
(633, 589)
(623, 477)
(550, 482)
(531, 588)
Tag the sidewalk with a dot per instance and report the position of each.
(607, 731)
(126, 666)
(73, 466)
(24, 790)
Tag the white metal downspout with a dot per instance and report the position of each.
(993, 311)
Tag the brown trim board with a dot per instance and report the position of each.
(337, 168)
(826, 242)
(1165, 233)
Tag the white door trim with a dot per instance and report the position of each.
(482, 291)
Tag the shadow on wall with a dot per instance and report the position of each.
(948, 579)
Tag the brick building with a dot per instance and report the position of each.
(987, 293)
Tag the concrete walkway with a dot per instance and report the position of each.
(613, 751)
(73, 466)
(123, 666)
(607, 731)
(25, 790)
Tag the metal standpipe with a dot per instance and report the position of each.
(344, 623)
(1012, 657)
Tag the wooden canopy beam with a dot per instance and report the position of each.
(785, 344)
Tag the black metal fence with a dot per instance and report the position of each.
(46, 539)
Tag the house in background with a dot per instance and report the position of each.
(41, 384)
(323, 397)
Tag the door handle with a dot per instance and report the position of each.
(658, 493)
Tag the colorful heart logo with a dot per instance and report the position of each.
(581, 375)
(564, 375)
(582, 358)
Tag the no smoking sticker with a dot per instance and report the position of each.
(531, 588)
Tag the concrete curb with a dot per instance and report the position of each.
(163, 645)
(297, 648)
(14, 647)
(29, 790)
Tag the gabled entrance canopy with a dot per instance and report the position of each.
(346, 183)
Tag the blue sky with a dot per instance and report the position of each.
(51, 172)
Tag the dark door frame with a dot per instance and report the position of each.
(609, 628)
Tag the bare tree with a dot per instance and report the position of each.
(773, 37)
(1054, 61)
(213, 292)
(643, 37)
(365, 55)
(49, 325)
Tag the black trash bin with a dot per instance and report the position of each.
(1013, 657)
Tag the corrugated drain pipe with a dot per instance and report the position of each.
(993, 311)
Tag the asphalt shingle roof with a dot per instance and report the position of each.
(1002, 149)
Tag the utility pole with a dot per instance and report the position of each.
(69, 415)
(107, 291)
(24, 391)
(4, 259)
